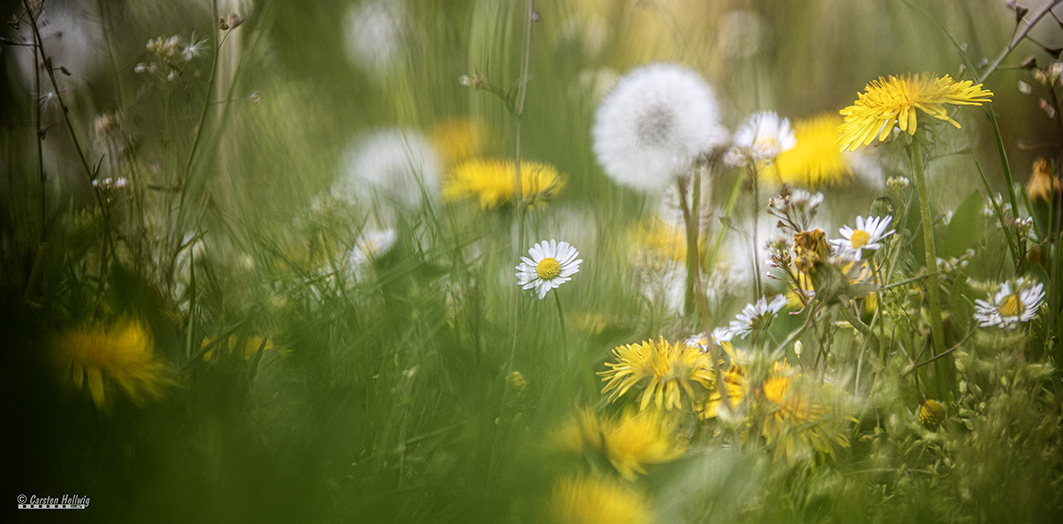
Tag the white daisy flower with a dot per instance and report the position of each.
(761, 138)
(654, 124)
(395, 164)
(754, 316)
(867, 235)
(1014, 303)
(551, 264)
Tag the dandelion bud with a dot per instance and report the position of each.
(798, 348)
(931, 414)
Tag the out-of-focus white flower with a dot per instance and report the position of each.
(396, 165)
(761, 138)
(654, 124)
(754, 316)
(374, 34)
(370, 245)
(1015, 303)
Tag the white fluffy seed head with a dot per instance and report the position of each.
(396, 165)
(654, 124)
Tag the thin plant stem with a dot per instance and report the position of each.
(518, 189)
(39, 44)
(1030, 22)
(757, 287)
(936, 331)
(561, 321)
(690, 223)
(39, 139)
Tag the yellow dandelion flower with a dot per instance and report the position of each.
(797, 422)
(491, 182)
(629, 442)
(893, 102)
(815, 160)
(457, 139)
(99, 358)
(597, 500)
(668, 370)
(640, 438)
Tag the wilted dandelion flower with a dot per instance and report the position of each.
(1016, 302)
(867, 235)
(98, 358)
(395, 164)
(886, 104)
(1043, 186)
(491, 182)
(597, 500)
(654, 124)
(665, 370)
(551, 264)
(755, 316)
(815, 160)
(810, 247)
(374, 34)
(760, 139)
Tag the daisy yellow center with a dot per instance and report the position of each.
(860, 238)
(548, 268)
(1011, 307)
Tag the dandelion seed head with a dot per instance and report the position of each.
(654, 124)
(397, 165)
(374, 34)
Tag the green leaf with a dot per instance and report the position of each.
(967, 227)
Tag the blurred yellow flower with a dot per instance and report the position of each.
(815, 160)
(735, 384)
(250, 347)
(457, 139)
(886, 104)
(491, 182)
(597, 500)
(660, 240)
(629, 442)
(931, 414)
(668, 370)
(99, 357)
(797, 421)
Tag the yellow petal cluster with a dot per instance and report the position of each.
(665, 370)
(895, 102)
(491, 182)
(100, 357)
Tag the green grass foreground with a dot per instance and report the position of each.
(532, 261)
